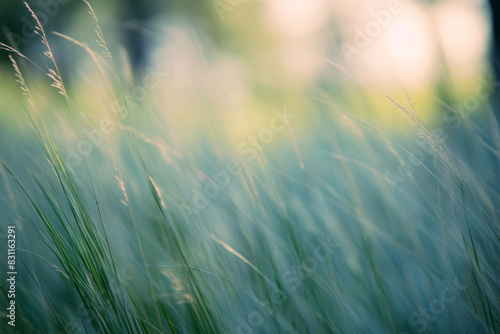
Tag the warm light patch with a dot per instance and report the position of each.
(403, 54)
(296, 17)
(463, 33)
(403, 37)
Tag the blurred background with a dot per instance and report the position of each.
(282, 44)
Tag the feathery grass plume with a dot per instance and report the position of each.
(100, 36)
(43, 137)
(55, 75)
(120, 96)
(24, 87)
(11, 49)
(157, 190)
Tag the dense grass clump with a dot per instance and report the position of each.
(140, 217)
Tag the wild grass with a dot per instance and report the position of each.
(309, 237)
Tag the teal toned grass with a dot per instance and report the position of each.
(115, 244)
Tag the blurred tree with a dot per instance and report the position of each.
(55, 15)
(495, 17)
